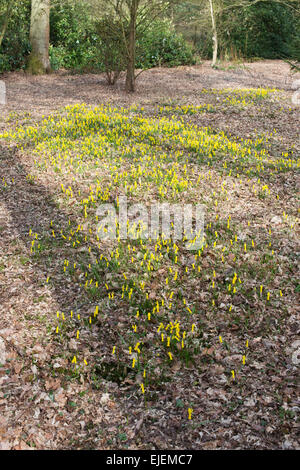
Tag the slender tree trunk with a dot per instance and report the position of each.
(6, 20)
(38, 62)
(215, 34)
(131, 48)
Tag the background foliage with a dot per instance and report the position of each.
(80, 41)
(15, 46)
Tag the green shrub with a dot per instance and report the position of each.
(73, 38)
(15, 46)
(264, 30)
(161, 45)
(4, 63)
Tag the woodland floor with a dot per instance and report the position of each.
(237, 370)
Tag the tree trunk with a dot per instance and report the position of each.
(6, 20)
(215, 34)
(131, 48)
(38, 62)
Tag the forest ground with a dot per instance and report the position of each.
(42, 404)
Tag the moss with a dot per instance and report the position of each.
(35, 66)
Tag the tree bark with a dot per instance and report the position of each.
(39, 62)
(131, 48)
(215, 34)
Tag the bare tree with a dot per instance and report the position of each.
(215, 34)
(39, 62)
(133, 18)
(131, 45)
